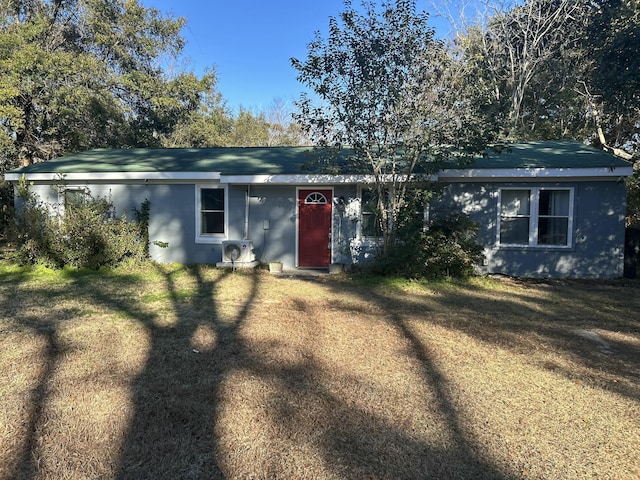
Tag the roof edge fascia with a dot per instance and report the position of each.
(470, 174)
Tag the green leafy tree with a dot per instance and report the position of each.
(249, 129)
(387, 89)
(214, 125)
(83, 74)
(561, 69)
(211, 125)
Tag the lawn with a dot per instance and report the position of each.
(173, 372)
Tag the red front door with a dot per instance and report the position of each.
(314, 228)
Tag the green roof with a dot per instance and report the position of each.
(289, 160)
(228, 161)
(550, 154)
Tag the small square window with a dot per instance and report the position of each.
(74, 197)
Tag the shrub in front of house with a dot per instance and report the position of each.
(87, 234)
(447, 247)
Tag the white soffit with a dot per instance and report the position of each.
(317, 179)
(533, 173)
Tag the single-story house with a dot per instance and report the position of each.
(545, 209)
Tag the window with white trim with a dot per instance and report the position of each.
(370, 226)
(315, 198)
(211, 214)
(536, 217)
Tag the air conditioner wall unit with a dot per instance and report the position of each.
(240, 251)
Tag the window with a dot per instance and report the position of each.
(536, 217)
(211, 214)
(74, 197)
(370, 223)
(515, 217)
(553, 217)
(315, 198)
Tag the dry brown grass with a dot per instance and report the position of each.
(174, 372)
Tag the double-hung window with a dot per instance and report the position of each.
(370, 226)
(211, 215)
(536, 217)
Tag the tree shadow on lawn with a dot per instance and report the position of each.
(25, 466)
(27, 462)
(527, 323)
(556, 316)
(591, 325)
(182, 439)
(358, 443)
(177, 395)
(174, 397)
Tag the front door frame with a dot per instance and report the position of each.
(329, 237)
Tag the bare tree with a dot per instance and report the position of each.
(283, 131)
(594, 105)
(510, 43)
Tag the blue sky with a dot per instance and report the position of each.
(250, 42)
